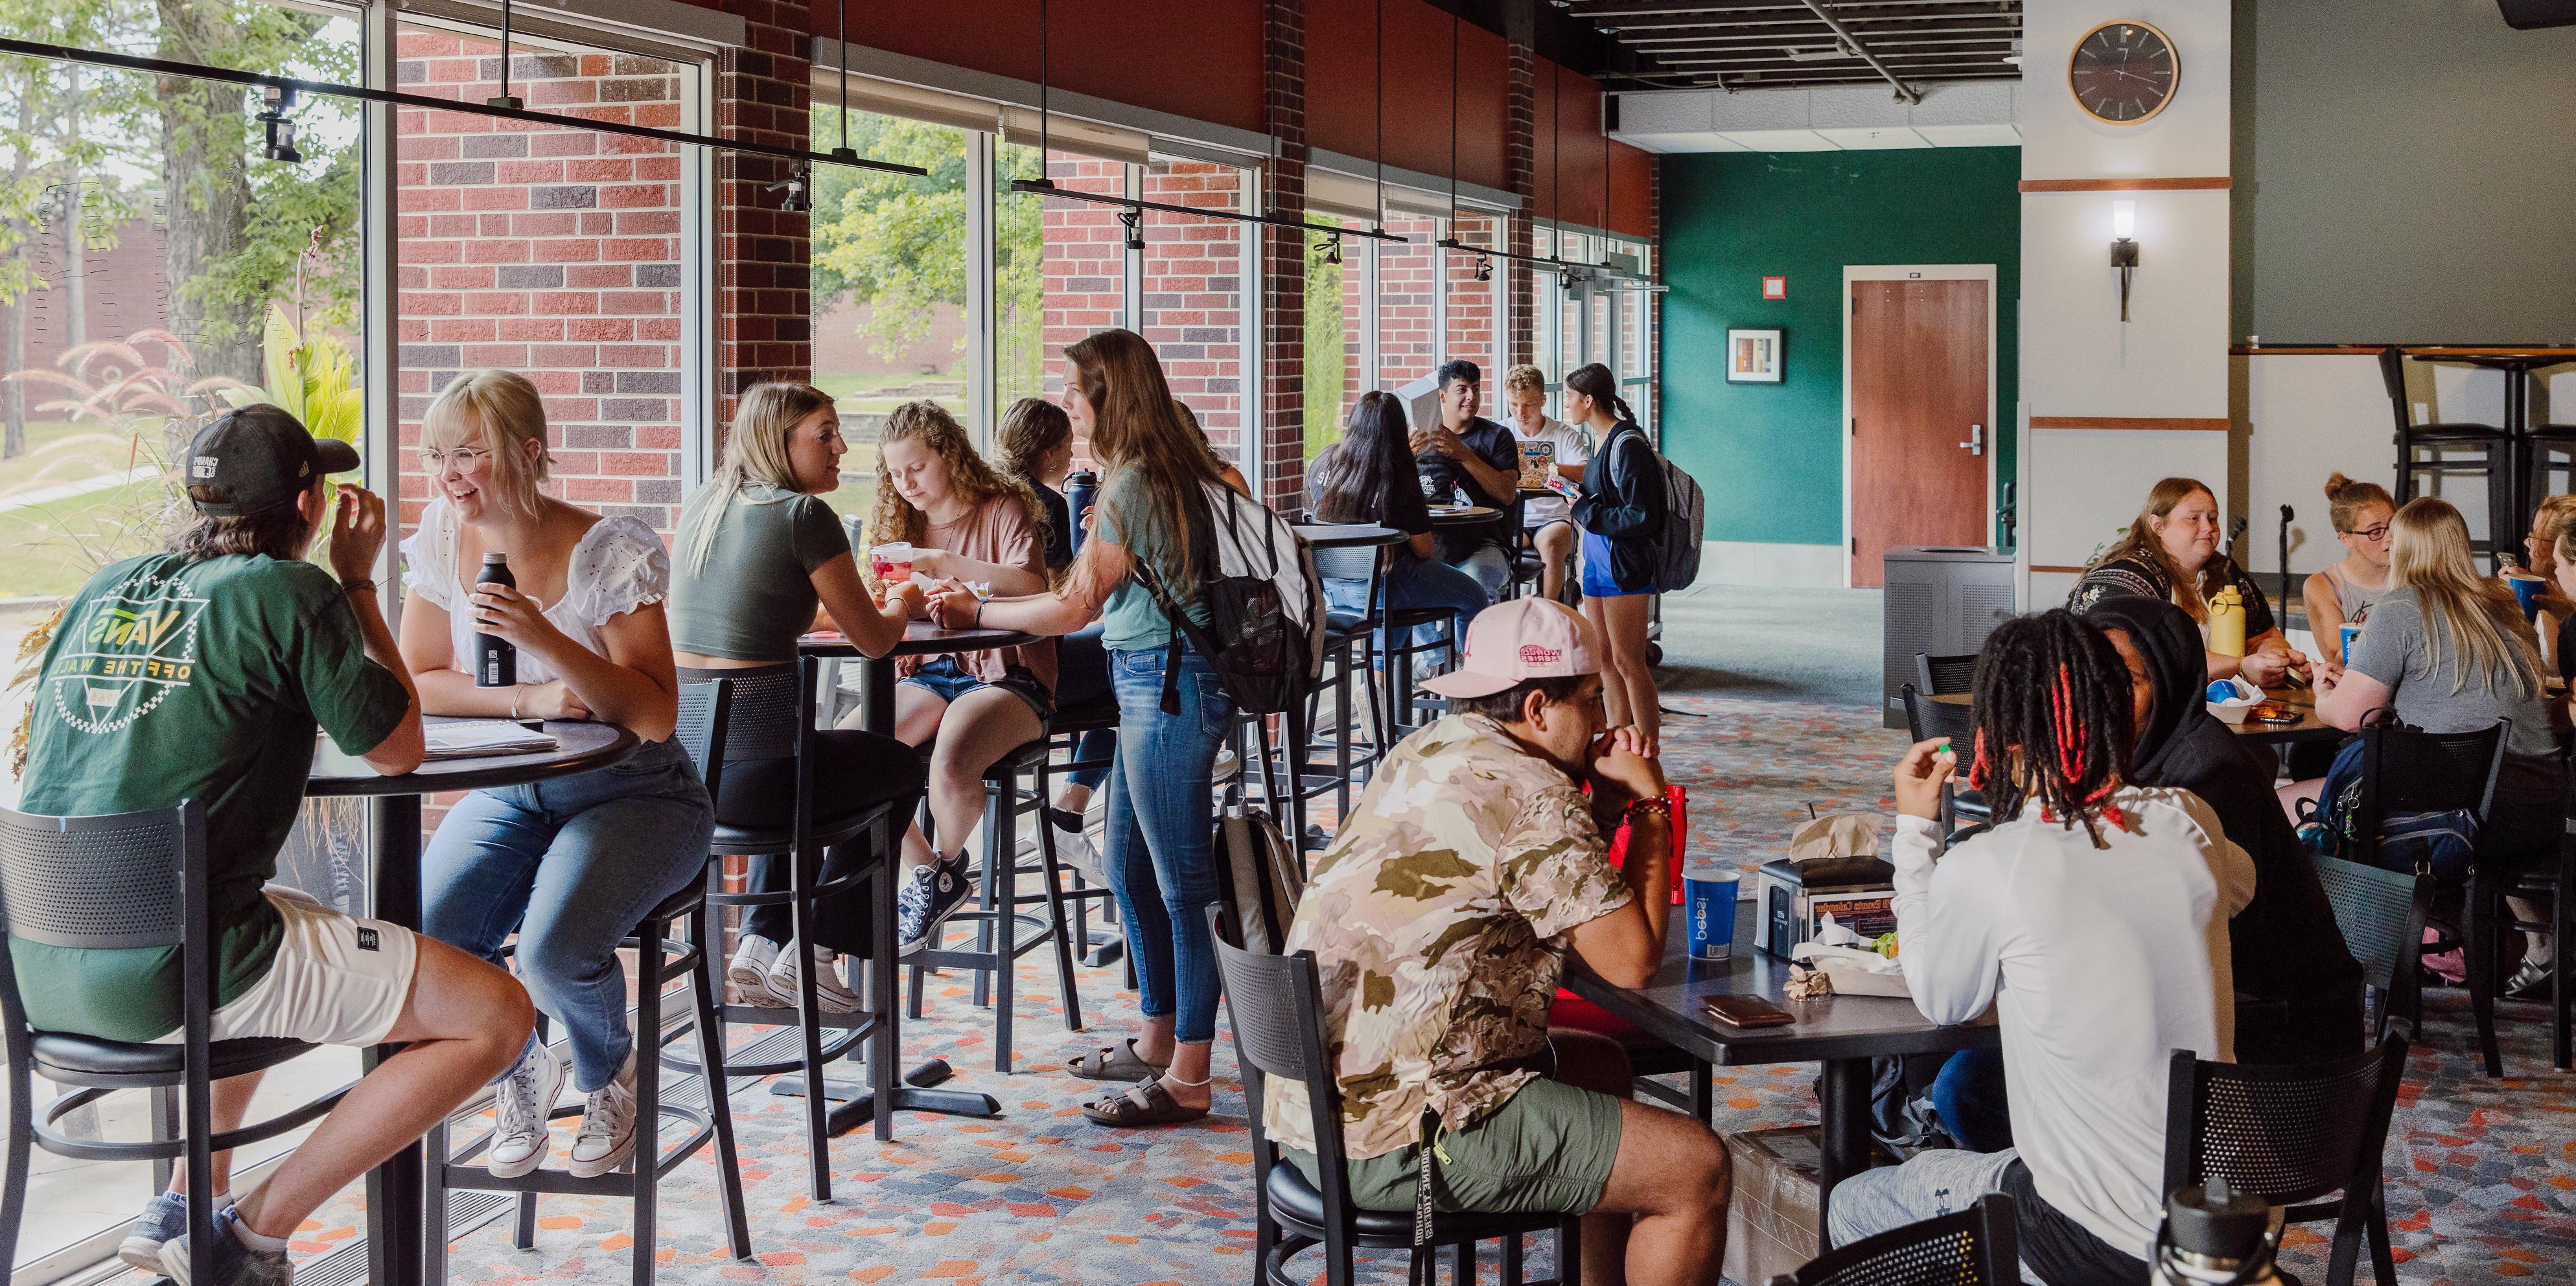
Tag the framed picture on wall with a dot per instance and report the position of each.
(1752, 357)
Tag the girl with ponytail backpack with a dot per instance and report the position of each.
(1641, 537)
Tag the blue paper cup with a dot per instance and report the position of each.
(2350, 632)
(2526, 591)
(1708, 912)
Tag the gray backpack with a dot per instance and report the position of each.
(1685, 519)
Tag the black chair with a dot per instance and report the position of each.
(765, 714)
(1978, 1246)
(1064, 735)
(1350, 646)
(2495, 461)
(2293, 1134)
(1942, 676)
(122, 882)
(2381, 914)
(661, 959)
(998, 920)
(1275, 1005)
(2406, 770)
(2492, 924)
(1925, 719)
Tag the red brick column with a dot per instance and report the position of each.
(1520, 171)
(1280, 416)
(764, 316)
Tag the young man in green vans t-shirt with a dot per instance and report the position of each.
(201, 672)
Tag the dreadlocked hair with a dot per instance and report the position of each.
(2053, 721)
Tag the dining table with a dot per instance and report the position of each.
(395, 1237)
(876, 673)
(1841, 1033)
(2304, 727)
(1346, 535)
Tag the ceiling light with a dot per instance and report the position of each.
(1839, 50)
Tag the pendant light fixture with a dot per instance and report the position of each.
(845, 153)
(505, 99)
(1485, 255)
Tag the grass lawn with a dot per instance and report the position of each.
(38, 555)
(60, 452)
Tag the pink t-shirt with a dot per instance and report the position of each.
(995, 531)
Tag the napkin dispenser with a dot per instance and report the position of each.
(1833, 867)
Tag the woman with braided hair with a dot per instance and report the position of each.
(2076, 919)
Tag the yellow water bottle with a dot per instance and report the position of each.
(2227, 622)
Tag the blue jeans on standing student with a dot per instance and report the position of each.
(1155, 841)
(1415, 582)
(572, 864)
(1082, 676)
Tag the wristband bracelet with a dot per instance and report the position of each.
(515, 690)
(1659, 807)
(354, 584)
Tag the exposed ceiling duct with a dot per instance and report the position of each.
(1775, 44)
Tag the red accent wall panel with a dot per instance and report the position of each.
(1341, 109)
(1194, 58)
(1578, 177)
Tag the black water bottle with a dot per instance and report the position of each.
(1081, 491)
(496, 662)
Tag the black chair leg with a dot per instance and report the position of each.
(1513, 1267)
(1002, 894)
(647, 1045)
(883, 1049)
(818, 1138)
(1464, 1271)
(1056, 920)
(433, 1202)
(2483, 906)
(711, 1062)
(2383, 1264)
(2559, 923)
(22, 1133)
(1703, 1092)
(2348, 1235)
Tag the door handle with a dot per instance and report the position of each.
(1976, 443)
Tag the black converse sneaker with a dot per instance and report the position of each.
(927, 900)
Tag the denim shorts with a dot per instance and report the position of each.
(946, 680)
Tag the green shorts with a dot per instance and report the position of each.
(1548, 1149)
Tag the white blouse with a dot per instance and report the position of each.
(618, 566)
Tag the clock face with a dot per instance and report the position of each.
(2123, 72)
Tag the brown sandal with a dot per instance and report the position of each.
(1142, 1104)
(1119, 1062)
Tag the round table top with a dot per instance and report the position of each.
(584, 746)
(1347, 535)
(920, 638)
(1442, 515)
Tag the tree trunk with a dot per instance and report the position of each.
(75, 230)
(205, 180)
(13, 318)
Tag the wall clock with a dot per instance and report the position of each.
(2123, 72)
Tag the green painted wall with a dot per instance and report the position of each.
(1770, 455)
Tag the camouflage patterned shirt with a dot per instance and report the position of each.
(1437, 919)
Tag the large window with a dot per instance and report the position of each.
(890, 281)
(1060, 267)
(1472, 306)
(1194, 294)
(1336, 302)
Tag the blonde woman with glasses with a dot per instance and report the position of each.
(2447, 650)
(571, 864)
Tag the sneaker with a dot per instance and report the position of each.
(927, 900)
(164, 1217)
(235, 1264)
(1225, 767)
(607, 1135)
(1073, 848)
(747, 975)
(779, 986)
(521, 1102)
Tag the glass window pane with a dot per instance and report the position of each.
(1192, 291)
(1336, 280)
(889, 284)
(1059, 270)
(553, 251)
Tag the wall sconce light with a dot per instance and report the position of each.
(1135, 221)
(2124, 247)
(1484, 268)
(800, 191)
(275, 100)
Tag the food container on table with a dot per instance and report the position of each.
(2239, 697)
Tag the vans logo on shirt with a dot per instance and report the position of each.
(367, 940)
(135, 647)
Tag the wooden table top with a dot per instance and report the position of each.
(2307, 727)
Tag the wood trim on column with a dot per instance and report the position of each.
(2218, 425)
(2219, 183)
(2054, 567)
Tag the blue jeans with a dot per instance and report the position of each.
(1415, 583)
(1491, 567)
(1155, 841)
(572, 864)
(1969, 1095)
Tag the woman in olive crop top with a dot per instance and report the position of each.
(758, 551)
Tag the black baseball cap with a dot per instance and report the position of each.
(258, 457)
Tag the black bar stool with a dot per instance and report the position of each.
(2495, 461)
(2548, 449)
(1064, 738)
(997, 918)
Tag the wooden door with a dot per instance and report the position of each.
(1918, 416)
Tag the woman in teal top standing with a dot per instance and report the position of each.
(1159, 474)
(758, 550)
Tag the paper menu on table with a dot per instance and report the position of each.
(473, 738)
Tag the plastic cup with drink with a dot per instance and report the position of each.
(892, 563)
(1708, 911)
(2526, 590)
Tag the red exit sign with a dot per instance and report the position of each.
(1775, 288)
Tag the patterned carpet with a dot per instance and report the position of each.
(2482, 1175)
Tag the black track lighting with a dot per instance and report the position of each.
(1135, 221)
(1333, 248)
(505, 99)
(1484, 268)
(800, 191)
(275, 100)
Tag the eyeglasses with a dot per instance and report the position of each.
(2373, 534)
(464, 458)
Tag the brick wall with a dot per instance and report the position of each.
(553, 252)
(1082, 273)
(762, 306)
(1282, 397)
(1404, 274)
(1474, 306)
(1520, 171)
(1193, 294)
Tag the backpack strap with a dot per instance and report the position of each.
(1182, 625)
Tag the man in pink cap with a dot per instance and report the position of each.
(1440, 918)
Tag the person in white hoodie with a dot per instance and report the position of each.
(2093, 920)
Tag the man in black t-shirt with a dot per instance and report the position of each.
(1468, 453)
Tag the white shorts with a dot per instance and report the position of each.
(337, 980)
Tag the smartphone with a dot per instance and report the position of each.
(1747, 1011)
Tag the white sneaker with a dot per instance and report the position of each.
(747, 975)
(1226, 766)
(520, 1104)
(1074, 849)
(607, 1135)
(830, 996)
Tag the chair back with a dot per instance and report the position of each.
(1978, 1246)
(2392, 375)
(2288, 1133)
(706, 706)
(1365, 563)
(112, 883)
(1942, 676)
(1926, 718)
(2381, 914)
(2407, 770)
(1275, 1005)
(762, 721)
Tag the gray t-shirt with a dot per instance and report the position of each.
(756, 593)
(2394, 649)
